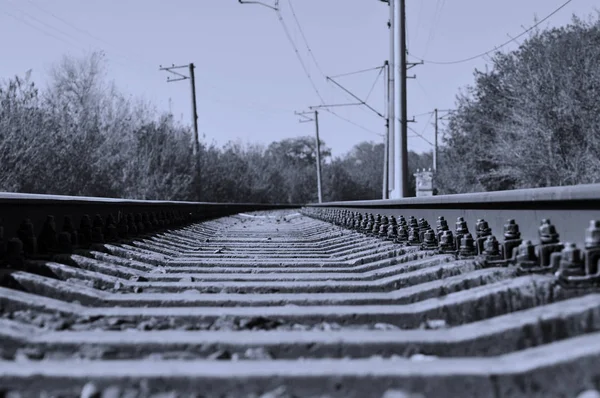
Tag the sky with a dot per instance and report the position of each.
(249, 79)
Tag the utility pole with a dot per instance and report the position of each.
(398, 147)
(386, 146)
(435, 142)
(318, 157)
(194, 110)
(318, 148)
(401, 172)
(391, 101)
(195, 144)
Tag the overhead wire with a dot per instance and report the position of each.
(87, 33)
(434, 24)
(496, 48)
(45, 32)
(420, 135)
(47, 25)
(353, 123)
(374, 84)
(297, 52)
(304, 67)
(310, 52)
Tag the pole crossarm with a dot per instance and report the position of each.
(170, 70)
(275, 7)
(304, 115)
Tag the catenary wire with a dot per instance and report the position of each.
(496, 48)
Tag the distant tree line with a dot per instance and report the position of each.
(81, 136)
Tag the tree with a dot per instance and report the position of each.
(531, 120)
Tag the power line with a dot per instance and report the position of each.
(374, 84)
(420, 136)
(289, 37)
(310, 78)
(310, 52)
(499, 46)
(305, 69)
(428, 120)
(68, 36)
(423, 114)
(353, 123)
(436, 12)
(40, 30)
(85, 32)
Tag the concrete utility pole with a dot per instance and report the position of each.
(195, 144)
(401, 166)
(318, 147)
(386, 146)
(398, 148)
(435, 141)
(391, 101)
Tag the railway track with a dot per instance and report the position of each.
(349, 299)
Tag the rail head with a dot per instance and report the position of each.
(553, 197)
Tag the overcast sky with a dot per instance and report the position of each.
(249, 80)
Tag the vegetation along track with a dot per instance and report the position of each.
(354, 299)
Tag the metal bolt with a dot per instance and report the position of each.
(571, 260)
(511, 230)
(467, 245)
(447, 240)
(461, 227)
(592, 235)
(526, 251)
(430, 237)
(547, 232)
(413, 235)
(385, 223)
(402, 235)
(402, 221)
(491, 247)
(441, 221)
(482, 228)
(413, 223)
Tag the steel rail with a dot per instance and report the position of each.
(32, 223)
(569, 208)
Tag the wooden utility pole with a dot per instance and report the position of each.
(307, 119)
(195, 143)
(194, 111)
